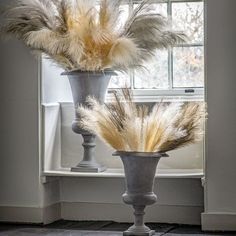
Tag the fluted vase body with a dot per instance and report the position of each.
(84, 84)
(140, 170)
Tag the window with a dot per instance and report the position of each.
(177, 71)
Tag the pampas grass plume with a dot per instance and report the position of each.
(79, 36)
(125, 126)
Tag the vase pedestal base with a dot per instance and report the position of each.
(132, 232)
(89, 163)
(88, 169)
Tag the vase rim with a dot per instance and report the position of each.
(140, 154)
(100, 72)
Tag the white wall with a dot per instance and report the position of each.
(55, 87)
(22, 196)
(220, 190)
(19, 168)
(180, 200)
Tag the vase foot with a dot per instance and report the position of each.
(128, 233)
(88, 169)
(139, 231)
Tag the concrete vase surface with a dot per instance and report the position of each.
(140, 170)
(84, 84)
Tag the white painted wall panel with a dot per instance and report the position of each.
(19, 168)
(220, 191)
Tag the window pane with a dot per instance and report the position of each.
(188, 16)
(188, 67)
(120, 81)
(155, 74)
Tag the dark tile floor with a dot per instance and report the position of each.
(101, 228)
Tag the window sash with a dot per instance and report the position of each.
(152, 94)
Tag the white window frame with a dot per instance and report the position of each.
(185, 93)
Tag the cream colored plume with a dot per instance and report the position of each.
(126, 126)
(87, 34)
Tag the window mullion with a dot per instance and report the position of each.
(170, 68)
(131, 74)
(170, 51)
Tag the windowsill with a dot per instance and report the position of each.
(151, 99)
(154, 95)
(146, 99)
(119, 173)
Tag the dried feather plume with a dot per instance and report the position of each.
(78, 35)
(125, 126)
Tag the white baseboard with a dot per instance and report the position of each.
(123, 213)
(219, 221)
(32, 215)
(52, 213)
(98, 212)
(21, 214)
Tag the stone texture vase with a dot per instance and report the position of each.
(140, 169)
(84, 84)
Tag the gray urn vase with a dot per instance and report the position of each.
(140, 170)
(84, 84)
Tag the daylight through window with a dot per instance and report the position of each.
(176, 71)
